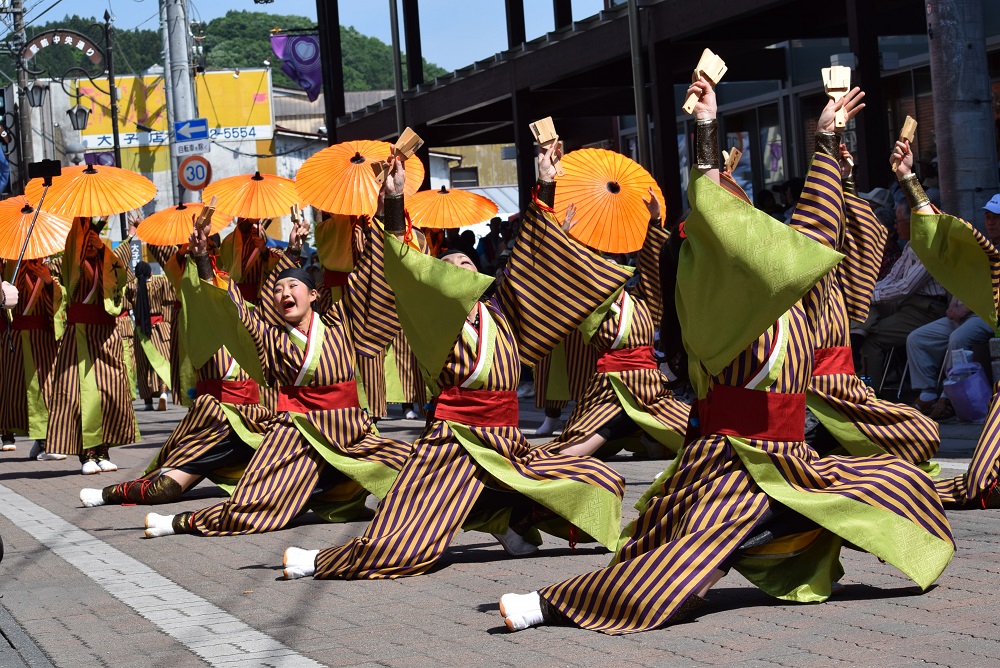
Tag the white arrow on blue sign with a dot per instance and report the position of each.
(196, 128)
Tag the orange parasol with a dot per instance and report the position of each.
(49, 236)
(445, 208)
(339, 179)
(173, 226)
(608, 190)
(91, 190)
(255, 196)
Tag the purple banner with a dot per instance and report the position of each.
(300, 61)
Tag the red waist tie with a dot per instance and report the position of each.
(333, 279)
(627, 359)
(230, 391)
(833, 361)
(477, 408)
(123, 314)
(155, 319)
(737, 411)
(249, 291)
(26, 322)
(296, 399)
(89, 314)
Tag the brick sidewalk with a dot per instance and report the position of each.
(449, 617)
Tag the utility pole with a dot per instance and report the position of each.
(963, 115)
(168, 94)
(24, 131)
(178, 68)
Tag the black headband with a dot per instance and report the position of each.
(298, 274)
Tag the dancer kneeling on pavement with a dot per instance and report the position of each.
(471, 465)
(216, 438)
(628, 393)
(322, 441)
(748, 292)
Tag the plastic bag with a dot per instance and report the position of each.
(969, 391)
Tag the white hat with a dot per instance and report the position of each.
(993, 206)
(878, 196)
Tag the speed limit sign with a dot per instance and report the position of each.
(195, 173)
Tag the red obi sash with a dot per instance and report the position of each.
(295, 399)
(155, 319)
(249, 291)
(332, 279)
(25, 322)
(627, 359)
(123, 314)
(737, 411)
(230, 391)
(477, 408)
(88, 314)
(833, 361)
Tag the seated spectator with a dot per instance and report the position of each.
(765, 202)
(794, 192)
(928, 348)
(904, 300)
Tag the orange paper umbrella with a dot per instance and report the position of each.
(48, 237)
(91, 190)
(254, 196)
(339, 179)
(173, 226)
(449, 208)
(608, 190)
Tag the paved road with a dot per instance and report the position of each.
(89, 592)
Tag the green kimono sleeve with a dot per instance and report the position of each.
(209, 320)
(739, 270)
(433, 299)
(961, 259)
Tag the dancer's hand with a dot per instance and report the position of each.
(547, 159)
(851, 104)
(396, 178)
(902, 155)
(9, 296)
(652, 205)
(846, 161)
(706, 107)
(568, 221)
(198, 241)
(299, 233)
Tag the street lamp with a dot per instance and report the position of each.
(78, 117)
(37, 94)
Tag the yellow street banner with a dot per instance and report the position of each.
(237, 106)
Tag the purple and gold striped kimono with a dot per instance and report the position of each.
(91, 401)
(322, 441)
(843, 403)
(750, 460)
(627, 376)
(472, 441)
(27, 354)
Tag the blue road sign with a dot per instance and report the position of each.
(196, 128)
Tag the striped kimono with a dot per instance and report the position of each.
(564, 374)
(967, 264)
(26, 369)
(628, 378)
(848, 408)
(126, 328)
(153, 352)
(746, 462)
(322, 444)
(226, 421)
(91, 401)
(471, 449)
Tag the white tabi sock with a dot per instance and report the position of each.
(521, 611)
(91, 497)
(299, 563)
(159, 525)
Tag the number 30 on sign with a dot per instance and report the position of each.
(195, 172)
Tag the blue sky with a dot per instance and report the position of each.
(454, 33)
